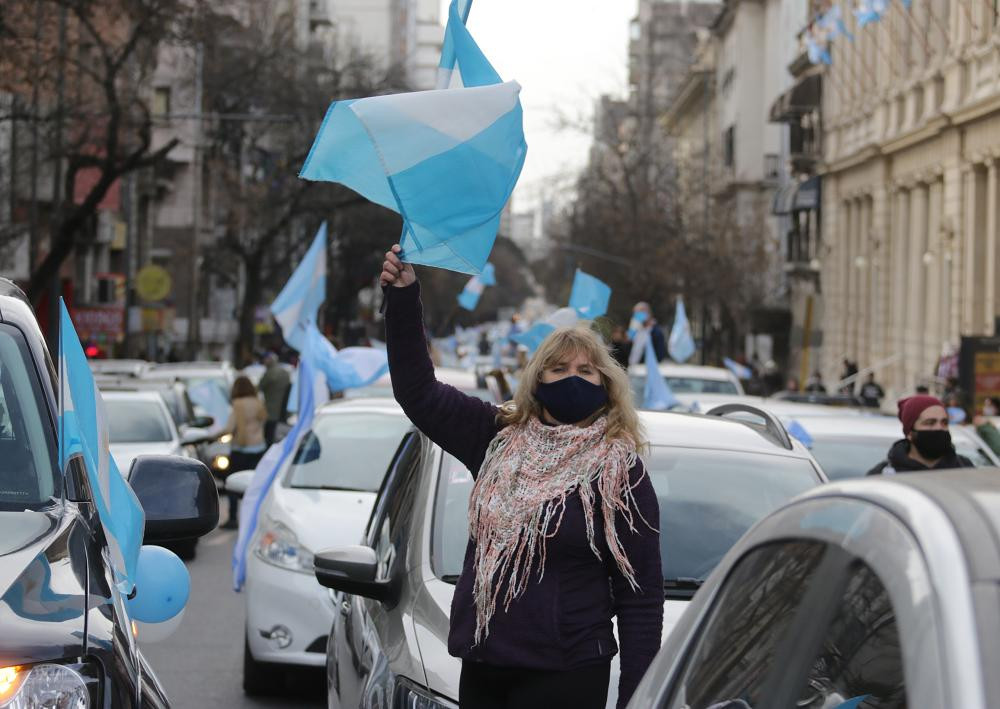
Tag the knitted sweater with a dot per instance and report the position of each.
(563, 619)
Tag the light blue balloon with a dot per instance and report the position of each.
(162, 585)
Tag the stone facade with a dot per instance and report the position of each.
(910, 193)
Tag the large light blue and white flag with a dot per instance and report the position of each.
(590, 296)
(83, 431)
(681, 343)
(348, 368)
(445, 160)
(657, 394)
(297, 305)
(268, 467)
(740, 370)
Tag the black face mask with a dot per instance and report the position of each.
(572, 399)
(933, 445)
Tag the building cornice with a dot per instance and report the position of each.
(693, 88)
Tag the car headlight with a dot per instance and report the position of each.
(49, 685)
(412, 696)
(225, 438)
(278, 545)
(221, 462)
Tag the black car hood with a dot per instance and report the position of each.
(43, 578)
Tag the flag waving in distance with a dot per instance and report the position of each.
(297, 305)
(681, 344)
(590, 296)
(657, 394)
(416, 153)
(469, 297)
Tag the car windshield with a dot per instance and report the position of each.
(684, 385)
(347, 451)
(29, 475)
(136, 421)
(853, 456)
(708, 499)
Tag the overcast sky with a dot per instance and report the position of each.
(564, 53)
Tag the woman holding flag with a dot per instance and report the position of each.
(563, 517)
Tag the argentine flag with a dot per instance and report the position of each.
(469, 297)
(681, 344)
(297, 305)
(740, 370)
(83, 431)
(657, 394)
(269, 465)
(590, 296)
(445, 160)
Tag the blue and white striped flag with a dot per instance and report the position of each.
(469, 297)
(681, 344)
(740, 370)
(445, 160)
(268, 468)
(83, 430)
(590, 296)
(657, 394)
(461, 65)
(297, 305)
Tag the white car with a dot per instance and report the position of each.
(322, 497)
(462, 379)
(849, 446)
(140, 423)
(714, 477)
(689, 379)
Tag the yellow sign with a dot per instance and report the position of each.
(152, 282)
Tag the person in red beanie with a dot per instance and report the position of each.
(927, 442)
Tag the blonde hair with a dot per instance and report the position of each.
(566, 343)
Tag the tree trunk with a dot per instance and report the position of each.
(251, 294)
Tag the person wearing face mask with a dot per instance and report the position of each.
(927, 442)
(563, 518)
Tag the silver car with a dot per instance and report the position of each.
(865, 593)
(714, 478)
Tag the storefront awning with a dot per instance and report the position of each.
(796, 196)
(784, 198)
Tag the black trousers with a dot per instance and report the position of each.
(485, 686)
(239, 460)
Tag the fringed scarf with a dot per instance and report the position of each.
(520, 497)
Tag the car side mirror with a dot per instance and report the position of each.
(351, 569)
(238, 483)
(178, 496)
(191, 436)
(202, 422)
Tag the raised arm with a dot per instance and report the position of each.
(639, 611)
(461, 424)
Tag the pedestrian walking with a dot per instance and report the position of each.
(563, 517)
(850, 370)
(246, 424)
(275, 384)
(927, 441)
(872, 392)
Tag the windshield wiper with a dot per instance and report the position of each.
(327, 487)
(450, 578)
(683, 583)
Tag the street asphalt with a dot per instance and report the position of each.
(201, 665)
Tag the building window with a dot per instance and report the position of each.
(161, 101)
(772, 166)
(729, 146)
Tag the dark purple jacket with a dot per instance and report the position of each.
(563, 620)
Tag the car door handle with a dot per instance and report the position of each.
(345, 608)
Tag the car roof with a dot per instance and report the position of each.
(370, 404)
(137, 394)
(670, 428)
(970, 497)
(686, 371)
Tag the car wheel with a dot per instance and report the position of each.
(259, 678)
